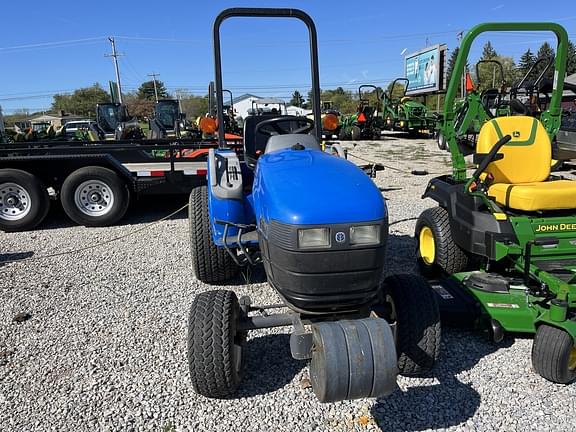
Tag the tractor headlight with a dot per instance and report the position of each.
(365, 235)
(313, 238)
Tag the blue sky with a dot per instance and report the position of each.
(57, 47)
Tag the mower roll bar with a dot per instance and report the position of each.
(496, 62)
(551, 118)
(536, 63)
(368, 86)
(560, 62)
(406, 80)
(266, 13)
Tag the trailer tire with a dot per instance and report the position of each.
(436, 250)
(24, 201)
(210, 264)
(215, 344)
(410, 304)
(554, 354)
(95, 196)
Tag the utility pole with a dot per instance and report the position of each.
(463, 83)
(154, 75)
(115, 56)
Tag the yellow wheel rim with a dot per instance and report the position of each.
(427, 246)
(572, 359)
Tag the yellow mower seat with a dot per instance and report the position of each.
(521, 178)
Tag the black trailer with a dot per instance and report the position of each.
(95, 180)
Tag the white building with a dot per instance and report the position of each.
(244, 103)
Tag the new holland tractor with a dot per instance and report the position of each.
(322, 250)
(502, 240)
(402, 113)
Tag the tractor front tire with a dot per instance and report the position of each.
(215, 345)
(436, 250)
(410, 306)
(554, 354)
(210, 263)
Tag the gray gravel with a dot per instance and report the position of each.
(104, 346)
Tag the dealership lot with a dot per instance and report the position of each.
(104, 346)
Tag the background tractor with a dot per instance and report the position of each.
(367, 122)
(401, 112)
(501, 241)
(322, 251)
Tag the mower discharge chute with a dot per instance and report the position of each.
(322, 251)
(503, 240)
(402, 113)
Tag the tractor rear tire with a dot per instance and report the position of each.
(215, 345)
(210, 263)
(554, 354)
(412, 307)
(436, 250)
(24, 200)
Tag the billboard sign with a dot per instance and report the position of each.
(423, 71)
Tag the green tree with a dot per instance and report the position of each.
(146, 90)
(488, 52)
(489, 73)
(571, 60)
(194, 106)
(297, 99)
(527, 60)
(547, 52)
(82, 102)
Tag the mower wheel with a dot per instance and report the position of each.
(554, 354)
(355, 133)
(436, 249)
(412, 310)
(24, 200)
(214, 344)
(210, 263)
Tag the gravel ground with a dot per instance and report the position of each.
(104, 346)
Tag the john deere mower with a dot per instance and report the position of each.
(322, 251)
(503, 239)
(402, 113)
(367, 122)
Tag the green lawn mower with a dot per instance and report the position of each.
(402, 113)
(503, 241)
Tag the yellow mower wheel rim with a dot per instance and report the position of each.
(572, 359)
(427, 245)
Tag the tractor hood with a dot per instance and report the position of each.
(309, 187)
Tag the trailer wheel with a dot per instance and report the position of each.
(411, 308)
(214, 344)
(436, 248)
(554, 354)
(210, 263)
(24, 200)
(95, 196)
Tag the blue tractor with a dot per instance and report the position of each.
(322, 249)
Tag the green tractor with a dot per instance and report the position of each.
(402, 113)
(367, 122)
(501, 243)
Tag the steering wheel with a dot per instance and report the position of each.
(273, 126)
